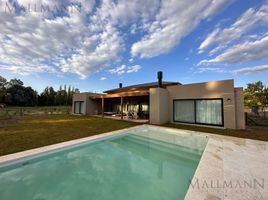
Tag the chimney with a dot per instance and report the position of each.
(120, 85)
(160, 76)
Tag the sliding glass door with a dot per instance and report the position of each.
(184, 111)
(209, 112)
(199, 111)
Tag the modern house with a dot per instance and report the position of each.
(216, 103)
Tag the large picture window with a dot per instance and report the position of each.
(199, 111)
(184, 111)
(78, 107)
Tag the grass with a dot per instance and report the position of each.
(252, 132)
(34, 131)
(21, 133)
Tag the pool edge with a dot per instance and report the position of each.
(36, 151)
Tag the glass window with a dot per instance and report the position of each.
(144, 107)
(81, 106)
(184, 111)
(209, 111)
(200, 111)
(133, 107)
(78, 107)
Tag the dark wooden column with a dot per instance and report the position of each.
(122, 107)
(102, 106)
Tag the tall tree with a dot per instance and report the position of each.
(69, 96)
(255, 95)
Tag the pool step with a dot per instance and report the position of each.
(164, 144)
(143, 144)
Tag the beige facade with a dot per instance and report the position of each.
(161, 101)
(159, 106)
(239, 108)
(89, 107)
(233, 106)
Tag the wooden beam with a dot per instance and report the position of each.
(125, 94)
(102, 106)
(122, 107)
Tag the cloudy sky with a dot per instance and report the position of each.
(94, 45)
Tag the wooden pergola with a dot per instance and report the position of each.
(119, 95)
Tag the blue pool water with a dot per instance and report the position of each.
(129, 167)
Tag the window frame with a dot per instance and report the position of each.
(198, 123)
(80, 107)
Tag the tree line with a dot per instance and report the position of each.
(14, 93)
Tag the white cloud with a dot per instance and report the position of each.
(247, 21)
(250, 70)
(107, 48)
(134, 68)
(248, 51)
(210, 69)
(209, 40)
(124, 69)
(118, 70)
(92, 40)
(33, 43)
(174, 21)
(243, 70)
(131, 60)
(80, 43)
(103, 78)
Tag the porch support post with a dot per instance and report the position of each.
(102, 106)
(121, 107)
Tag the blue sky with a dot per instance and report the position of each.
(94, 45)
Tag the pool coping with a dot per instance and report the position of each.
(224, 159)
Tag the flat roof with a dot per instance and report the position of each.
(143, 86)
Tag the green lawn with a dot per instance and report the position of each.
(33, 131)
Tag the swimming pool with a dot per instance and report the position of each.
(140, 163)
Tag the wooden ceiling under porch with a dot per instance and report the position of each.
(122, 94)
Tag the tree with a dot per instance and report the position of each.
(265, 101)
(60, 97)
(14, 93)
(255, 95)
(15, 81)
(31, 97)
(69, 96)
(76, 90)
(21, 95)
(3, 83)
(47, 97)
